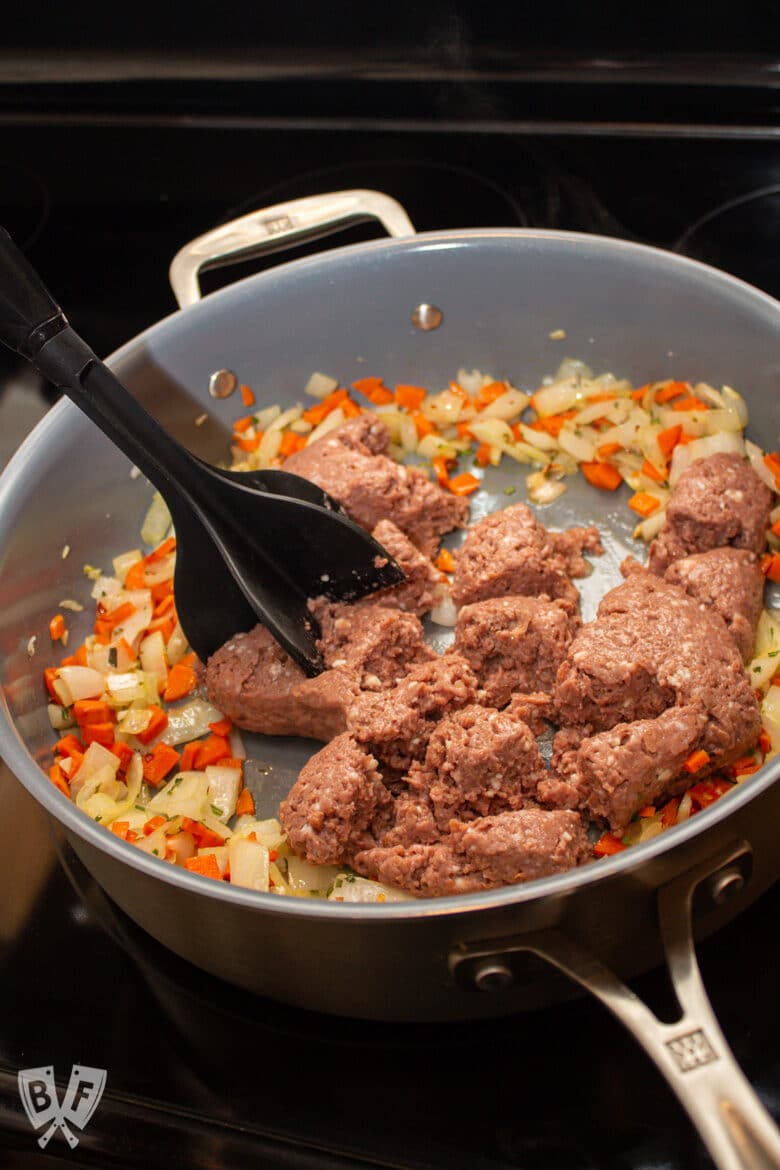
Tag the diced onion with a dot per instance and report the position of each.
(329, 423)
(507, 405)
(223, 788)
(756, 457)
(157, 521)
(249, 862)
(190, 721)
(350, 888)
(320, 385)
(444, 612)
(78, 682)
(541, 489)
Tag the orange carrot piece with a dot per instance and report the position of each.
(552, 423)
(49, 677)
(211, 751)
(57, 777)
(668, 439)
(69, 746)
(136, 576)
(690, 403)
(411, 397)
(247, 395)
(163, 549)
(764, 742)
(291, 443)
(155, 823)
(243, 424)
(696, 761)
(350, 409)
(487, 394)
(162, 595)
(607, 845)
(232, 762)
(647, 811)
(102, 733)
(374, 390)
(423, 425)
(775, 529)
(157, 724)
(669, 812)
(222, 727)
(772, 461)
(315, 414)
(109, 621)
(165, 624)
(604, 396)
(91, 711)
(249, 445)
(123, 752)
(441, 467)
(188, 756)
(245, 805)
(607, 449)
(159, 762)
(56, 627)
(120, 829)
(640, 392)
(602, 475)
(770, 566)
(181, 680)
(205, 864)
(644, 503)
(482, 456)
(464, 484)
(670, 391)
(445, 561)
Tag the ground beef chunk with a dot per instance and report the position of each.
(256, 684)
(414, 821)
(375, 644)
(417, 594)
(730, 581)
(515, 643)
(509, 552)
(479, 761)
(397, 723)
(535, 709)
(348, 464)
(717, 501)
(651, 648)
(491, 851)
(338, 805)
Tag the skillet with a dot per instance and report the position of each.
(353, 311)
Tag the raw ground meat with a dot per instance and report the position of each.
(256, 684)
(730, 581)
(397, 723)
(348, 464)
(717, 501)
(338, 805)
(509, 552)
(515, 643)
(479, 761)
(483, 854)
(375, 644)
(650, 648)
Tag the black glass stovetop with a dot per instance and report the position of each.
(200, 1075)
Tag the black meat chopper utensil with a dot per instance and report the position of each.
(250, 546)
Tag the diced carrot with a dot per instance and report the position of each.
(482, 456)
(159, 762)
(690, 403)
(709, 791)
(102, 733)
(604, 396)
(412, 397)
(291, 443)
(49, 677)
(202, 833)
(764, 742)
(772, 461)
(350, 409)
(775, 529)
(245, 805)
(607, 449)
(131, 836)
(696, 761)
(188, 659)
(640, 392)
(162, 596)
(247, 395)
(644, 503)
(669, 812)
(652, 472)
(211, 751)
(188, 756)
(243, 424)
(670, 391)
(273, 854)
(441, 467)
(165, 624)
(647, 811)
(69, 746)
(456, 388)
(445, 561)
(136, 576)
(163, 549)
(232, 762)
(423, 425)
(223, 727)
(91, 711)
(770, 566)
(152, 824)
(316, 414)
(552, 423)
(120, 829)
(181, 680)
(123, 752)
(249, 445)
(668, 439)
(205, 864)
(602, 475)
(56, 627)
(157, 724)
(374, 390)
(57, 777)
(685, 439)
(744, 766)
(464, 484)
(608, 844)
(110, 621)
(487, 394)
(463, 431)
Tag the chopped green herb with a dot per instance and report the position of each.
(139, 808)
(99, 818)
(510, 491)
(216, 811)
(176, 782)
(66, 710)
(756, 670)
(772, 653)
(112, 659)
(156, 852)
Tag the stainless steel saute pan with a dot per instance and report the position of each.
(414, 309)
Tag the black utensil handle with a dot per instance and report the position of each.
(29, 315)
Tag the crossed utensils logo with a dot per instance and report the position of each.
(41, 1104)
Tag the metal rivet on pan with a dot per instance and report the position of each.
(427, 317)
(725, 884)
(493, 975)
(222, 383)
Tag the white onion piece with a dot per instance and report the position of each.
(134, 722)
(153, 657)
(444, 612)
(473, 380)
(269, 832)
(540, 439)
(285, 418)
(582, 446)
(190, 721)
(177, 645)
(320, 385)
(123, 562)
(134, 625)
(446, 409)
(651, 526)
(105, 588)
(573, 368)
(249, 862)
(125, 687)
(185, 794)
(756, 457)
(218, 852)
(156, 522)
(561, 395)
(349, 888)
(303, 876)
(236, 740)
(408, 434)
(507, 405)
(96, 759)
(432, 447)
(264, 418)
(224, 785)
(329, 423)
(542, 490)
(269, 447)
(78, 682)
(770, 713)
(60, 717)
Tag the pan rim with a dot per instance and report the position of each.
(25, 769)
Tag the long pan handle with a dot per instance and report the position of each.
(691, 1053)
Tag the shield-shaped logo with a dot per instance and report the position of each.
(41, 1103)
